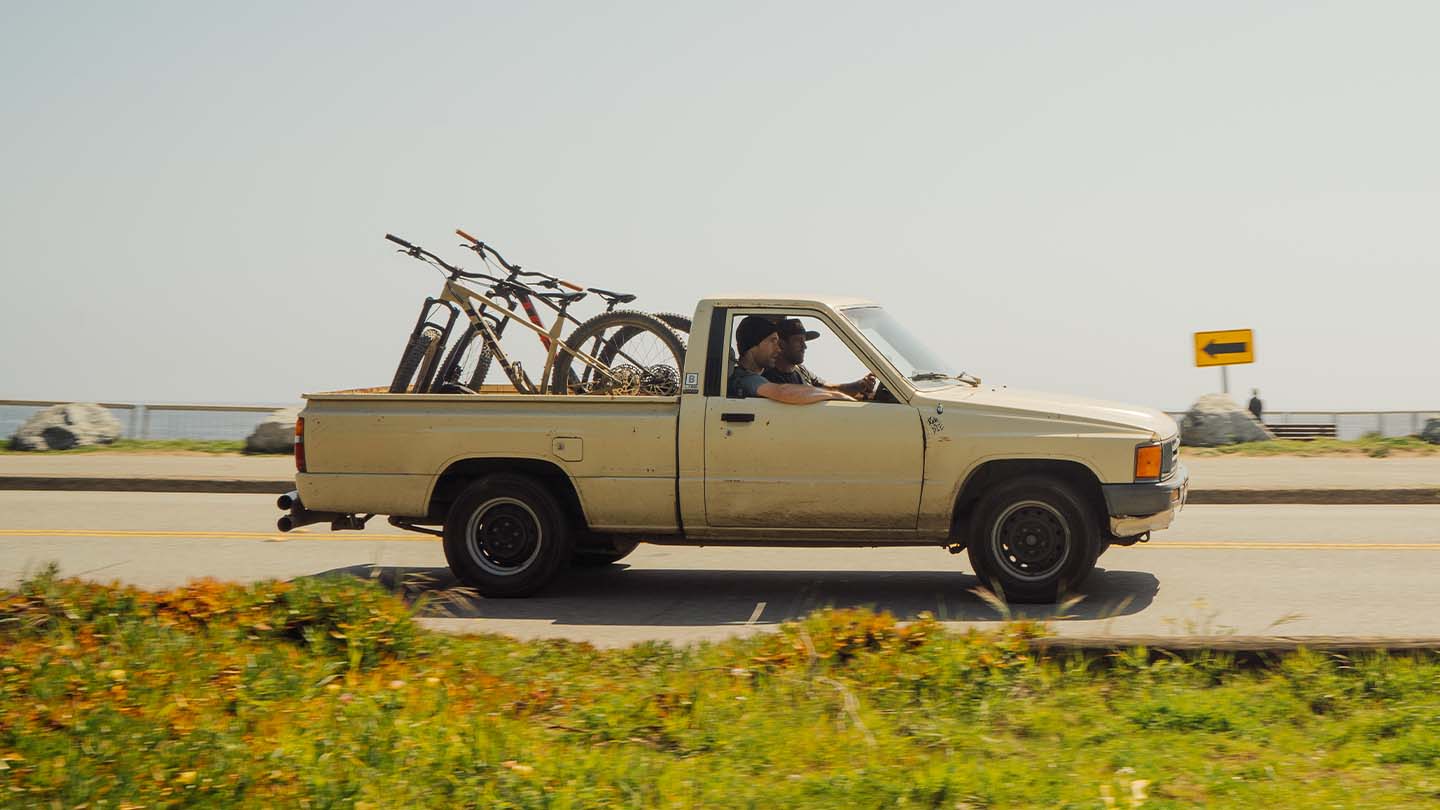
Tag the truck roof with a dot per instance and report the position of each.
(748, 299)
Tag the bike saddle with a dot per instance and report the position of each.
(562, 297)
(613, 297)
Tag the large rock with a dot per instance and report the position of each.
(61, 427)
(1431, 433)
(275, 435)
(1216, 419)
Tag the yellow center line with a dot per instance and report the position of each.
(303, 534)
(299, 534)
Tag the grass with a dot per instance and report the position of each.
(213, 447)
(1372, 445)
(325, 694)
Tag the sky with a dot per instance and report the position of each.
(1056, 195)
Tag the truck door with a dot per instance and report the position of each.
(830, 465)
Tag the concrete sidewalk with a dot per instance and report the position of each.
(1214, 479)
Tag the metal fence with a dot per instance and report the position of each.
(159, 420)
(156, 420)
(1350, 424)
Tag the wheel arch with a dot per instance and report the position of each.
(995, 471)
(460, 473)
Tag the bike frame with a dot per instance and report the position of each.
(465, 298)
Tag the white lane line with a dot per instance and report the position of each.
(754, 617)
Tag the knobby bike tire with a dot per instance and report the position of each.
(417, 349)
(449, 369)
(680, 323)
(628, 324)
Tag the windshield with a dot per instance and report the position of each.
(901, 348)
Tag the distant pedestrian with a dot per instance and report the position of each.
(1256, 406)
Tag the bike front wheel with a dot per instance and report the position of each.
(466, 365)
(638, 354)
(421, 348)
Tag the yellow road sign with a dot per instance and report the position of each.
(1228, 348)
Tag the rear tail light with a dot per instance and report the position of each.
(300, 444)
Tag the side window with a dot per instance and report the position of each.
(807, 352)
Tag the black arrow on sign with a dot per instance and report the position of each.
(1212, 348)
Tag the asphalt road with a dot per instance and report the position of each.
(1248, 570)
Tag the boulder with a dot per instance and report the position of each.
(1216, 419)
(274, 435)
(61, 427)
(1431, 433)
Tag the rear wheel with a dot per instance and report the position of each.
(421, 348)
(467, 364)
(1032, 539)
(643, 354)
(506, 535)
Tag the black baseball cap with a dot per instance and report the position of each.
(789, 327)
(752, 330)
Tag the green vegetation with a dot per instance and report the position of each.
(325, 693)
(217, 447)
(1373, 445)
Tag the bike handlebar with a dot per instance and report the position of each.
(401, 242)
(482, 248)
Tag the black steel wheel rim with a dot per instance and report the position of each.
(504, 536)
(1031, 540)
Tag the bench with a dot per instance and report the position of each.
(1304, 432)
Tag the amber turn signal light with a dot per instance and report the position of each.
(1147, 462)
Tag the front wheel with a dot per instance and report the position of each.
(1032, 539)
(466, 365)
(420, 349)
(507, 535)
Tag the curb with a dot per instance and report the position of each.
(1245, 647)
(105, 484)
(1204, 497)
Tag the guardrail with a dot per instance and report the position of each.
(155, 420)
(174, 420)
(1349, 424)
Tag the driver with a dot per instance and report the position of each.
(790, 367)
(757, 342)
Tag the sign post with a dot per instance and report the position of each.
(1225, 348)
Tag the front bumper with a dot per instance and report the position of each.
(1140, 508)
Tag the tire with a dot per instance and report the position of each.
(1045, 513)
(420, 347)
(467, 370)
(680, 323)
(602, 554)
(507, 535)
(663, 350)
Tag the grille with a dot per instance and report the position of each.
(1169, 455)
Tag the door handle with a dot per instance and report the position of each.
(737, 417)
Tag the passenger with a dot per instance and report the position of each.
(757, 342)
(790, 365)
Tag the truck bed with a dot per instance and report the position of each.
(380, 452)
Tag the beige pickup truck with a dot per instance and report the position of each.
(1034, 486)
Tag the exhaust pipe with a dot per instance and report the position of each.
(300, 516)
(288, 500)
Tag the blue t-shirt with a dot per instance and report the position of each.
(745, 383)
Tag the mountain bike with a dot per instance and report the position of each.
(613, 335)
(653, 371)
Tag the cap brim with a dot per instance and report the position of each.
(811, 335)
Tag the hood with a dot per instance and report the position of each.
(1094, 412)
